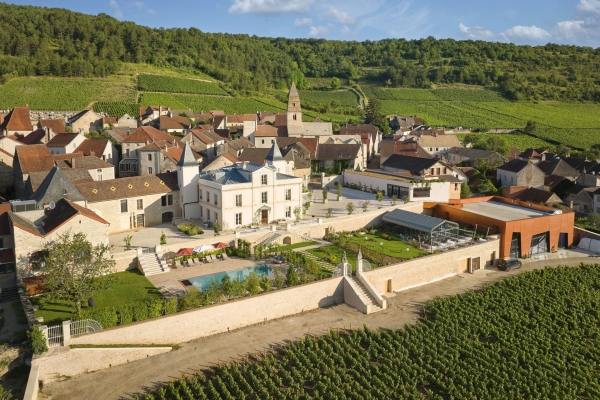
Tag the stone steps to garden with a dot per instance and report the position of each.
(323, 264)
(152, 264)
(366, 294)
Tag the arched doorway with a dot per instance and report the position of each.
(287, 240)
(167, 216)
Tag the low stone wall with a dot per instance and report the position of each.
(33, 382)
(73, 362)
(423, 270)
(185, 326)
(126, 260)
(355, 221)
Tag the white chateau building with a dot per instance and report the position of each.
(241, 194)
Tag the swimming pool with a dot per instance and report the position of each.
(202, 282)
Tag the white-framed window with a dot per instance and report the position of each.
(99, 173)
(288, 212)
(288, 194)
(200, 194)
(149, 170)
(124, 205)
(263, 179)
(238, 200)
(140, 204)
(215, 196)
(263, 197)
(167, 200)
(238, 218)
(149, 156)
(207, 214)
(216, 217)
(74, 145)
(208, 197)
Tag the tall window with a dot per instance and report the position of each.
(238, 200)
(140, 204)
(166, 200)
(288, 194)
(263, 197)
(126, 152)
(200, 194)
(263, 179)
(207, 214)
(124, 206)
(216, 217)
(208, 197)
(150, 170)
(99, 172)
(238, 218)
(288, 212)
(215, 196)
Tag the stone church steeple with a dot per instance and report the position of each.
(294, 111)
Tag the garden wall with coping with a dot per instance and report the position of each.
(580, 233)
(210, 320)
(72, 362)
(354, 222)
(427, 269)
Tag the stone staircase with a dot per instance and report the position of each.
(366, 295)
(152, 264)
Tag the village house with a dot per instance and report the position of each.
(85, 121)
(435, 143)
(581, 199)
(127, 121)
(426, 168)
(557, 166)
(101, 148)
(151, 113)
(162, 156)
(33, 230)
(406, 122)
(174, 124)
(520, 173)
(457, 155)
(65, 143)
(134, 202)
(52, 127)
(16, 122)
(531, 195)
(368, 133)
(55, 186)
(334, 158)
(109, 122)
(142, 136)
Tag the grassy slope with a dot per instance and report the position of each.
(130, 287)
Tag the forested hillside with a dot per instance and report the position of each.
(44, 41)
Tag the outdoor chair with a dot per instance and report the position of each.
(225, 256)
(209, 259)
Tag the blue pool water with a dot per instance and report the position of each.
(202, 282)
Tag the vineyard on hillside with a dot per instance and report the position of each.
(63, 94)
(519, 140)
(117, 109)
(204, 103)
(343, 98)
(170, 84)
(534, 336)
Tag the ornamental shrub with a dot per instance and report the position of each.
(126, 314)
(171, 306)
(37, 339)
(140, 311)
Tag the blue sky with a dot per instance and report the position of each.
(522, 22)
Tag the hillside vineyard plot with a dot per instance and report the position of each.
(344, 98)
(532, 336)
(63, 94)
(117, 109)
(170, 84)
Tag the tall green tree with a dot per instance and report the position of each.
(75, 269)
(336, 83)
(374, 115)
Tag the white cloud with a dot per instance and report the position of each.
(302, 21)
(151, 11)
(337, 15)
(270, 6)
(386, 19)
(318, 31)
(531, 33)
(589, 6)
(345, 30)
(116, 9)
(476, 32)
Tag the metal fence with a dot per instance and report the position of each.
(55, 336)
(84, 326)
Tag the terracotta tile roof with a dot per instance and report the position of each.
(214, 136)
(224, 133)
(230, 157)
(200, 134)
(3, 157)
(534, 195)
(145, 134)
(255, 155)
(34, 137)
(217, 119)
(129, 187)
(61, 139)
(175, 153)
(117, 134)
(240, 118)
(270, 131)
(354, 129)
(327, 151)
(310, 143)
(166, 122)
(74, 175)
(216, 113)
(92, 147)
(57, 125)
(24, 224)
(109, 120)
(34, 158)
(64, 211)
(17, 120)
(79, 161)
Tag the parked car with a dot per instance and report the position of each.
(553, 212)
(278, 259)
(507, 265)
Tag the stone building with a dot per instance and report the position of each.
(520, 173)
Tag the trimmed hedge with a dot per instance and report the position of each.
(140, 311)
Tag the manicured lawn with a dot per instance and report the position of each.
(323, 252)
(130, 287)
(297, 245)
(392, 246)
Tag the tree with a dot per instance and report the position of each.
(325, 194)
(75, 268)
(297, 212)
(493, 143)
(484, 165)
(291, 278)
(594, 219)
(364, 205)
(329, 212)
(530, 127)
(379, 196)
(465, 191)
(335, 83)
(374, 115)
(563, 150)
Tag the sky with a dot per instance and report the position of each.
(533, 22)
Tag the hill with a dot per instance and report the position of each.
(65, 43)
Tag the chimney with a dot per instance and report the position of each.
(543, 157)
(127, 132)
(73, 163)
(243, 164)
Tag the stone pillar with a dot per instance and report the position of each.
(66, 327)
(320, 221)
(237, 235)
(273, 228)
(359, 266)
(158, 249)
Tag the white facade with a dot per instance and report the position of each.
(70, 147)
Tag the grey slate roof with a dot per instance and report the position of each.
(55, 187)
(408, 163)
(187, 160)
(515, 165)
(413, 220)
(224, 176)
(284, 176)
(274, 153)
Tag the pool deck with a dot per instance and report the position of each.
(174, 277)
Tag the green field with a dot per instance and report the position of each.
(64, 94)
(130, 287)
(117, 109)
(170, 84)
(343, 98)
(392, 246)
(532, 336)
(519, 140)
(204, 103)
